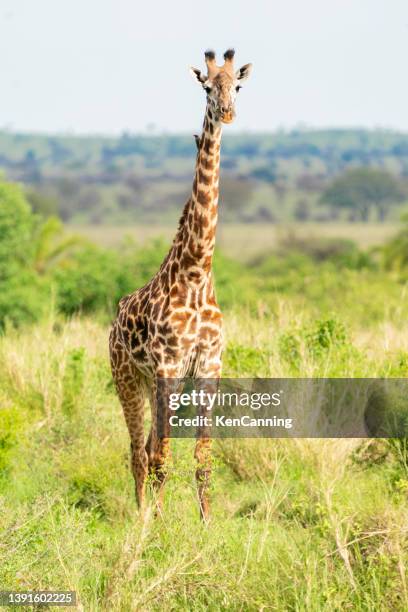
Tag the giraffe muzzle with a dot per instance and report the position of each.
(227, 117)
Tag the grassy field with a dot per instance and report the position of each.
(316, 525)
(244, 241)
(297, 525)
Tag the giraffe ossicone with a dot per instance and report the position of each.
(172, 327)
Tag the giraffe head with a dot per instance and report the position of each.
(221, 84)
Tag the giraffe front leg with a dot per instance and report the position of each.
(159, 438)
(209, 377)
(139, 462)
(202, 454)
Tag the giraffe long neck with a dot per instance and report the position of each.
(199, 221)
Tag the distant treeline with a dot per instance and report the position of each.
(265, 177)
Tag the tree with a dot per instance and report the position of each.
(51, 245)
(361, 189)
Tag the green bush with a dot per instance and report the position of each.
(94, 279)
(16, 230)
(139, 265)
(240, 360)
(325, 335)
(87, 281)
(395, 251)
(233, 283)
(23, 293)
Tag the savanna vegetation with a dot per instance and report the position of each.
(267, 178)
(298, 524)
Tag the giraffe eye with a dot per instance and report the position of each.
(238, 87)
(207, 89)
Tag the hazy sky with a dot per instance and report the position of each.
(109, 65)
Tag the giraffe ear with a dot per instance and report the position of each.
(198, 75)
(243, 73)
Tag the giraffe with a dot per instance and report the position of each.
(172, 327)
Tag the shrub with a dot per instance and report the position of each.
(16, 229)
(395, 251)
(324, 335)
(243, 361)
(88, 281)
(93, 279)
(138, 265)
(233, 283)
(23, 294)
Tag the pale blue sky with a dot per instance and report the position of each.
(109, 65)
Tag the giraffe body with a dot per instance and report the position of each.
(172, 327)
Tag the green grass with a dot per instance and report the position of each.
(297, 525)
